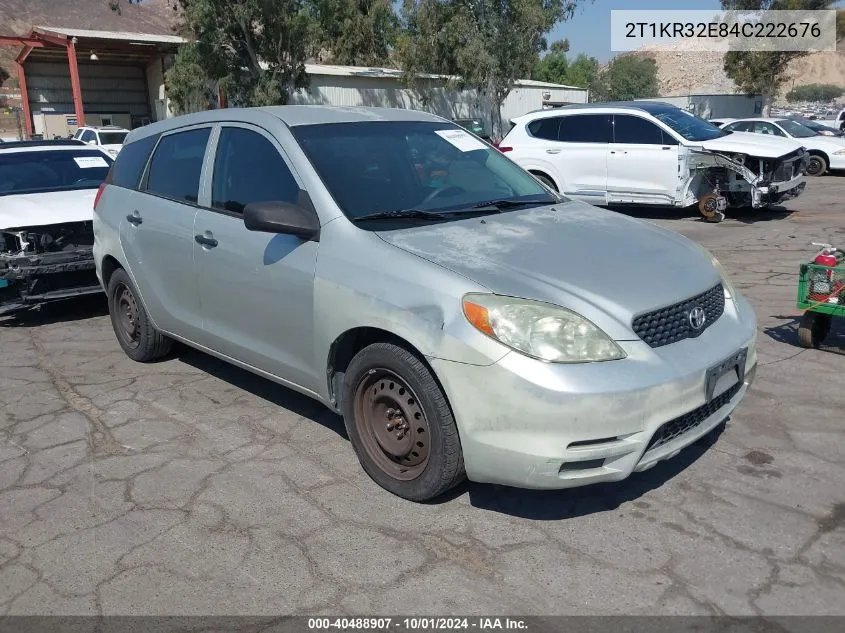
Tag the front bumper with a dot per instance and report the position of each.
(27, 281)
(778, 191)
(531, 424)
(837, 161)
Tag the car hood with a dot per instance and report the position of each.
(825, 143)
(39, 209)
(604, 265)
(751, 144)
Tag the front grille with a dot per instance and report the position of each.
(688, 421)
(784, 172)
(672, 324)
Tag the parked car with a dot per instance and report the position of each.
(463, 319)
(651, 153)
(825, 152)
(109, 137)
(836, 120)
(47, 189)
(475, 126)
(817, 127)
(720, 122)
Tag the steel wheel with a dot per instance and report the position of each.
(393, 427)
(127, 315)
(816, 166)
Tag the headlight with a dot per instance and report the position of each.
(539, 330)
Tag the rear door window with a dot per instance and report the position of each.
(177, 164)
(764, 127)
(87, 135)
(545, 128)
(131, 161)
(586, 128)
(248, 168)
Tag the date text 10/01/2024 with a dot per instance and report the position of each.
(417, 624)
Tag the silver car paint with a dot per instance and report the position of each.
(276, 305)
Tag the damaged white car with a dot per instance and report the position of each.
(47, 192)
(651, 153)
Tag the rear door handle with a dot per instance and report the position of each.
(134, 218)
(205, 240)
(552, 151)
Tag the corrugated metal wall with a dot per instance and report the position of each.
(106, 88)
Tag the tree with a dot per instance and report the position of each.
(357, 32)
(627, 77)
(486, 45)
(583, 72)
(254, 49)
(815, 92)
(764, 72)
(553, 67)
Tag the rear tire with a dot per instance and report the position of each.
(813, 329)
(400, 424)
(546, 181)
(132, 325)
(817, 165)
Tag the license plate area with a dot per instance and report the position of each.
(725, 375)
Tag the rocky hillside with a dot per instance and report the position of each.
(702, 72)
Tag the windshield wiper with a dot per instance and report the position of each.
(415, 214)
(509, 204)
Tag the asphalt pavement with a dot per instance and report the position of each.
(190, 487)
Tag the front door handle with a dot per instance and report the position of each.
(134, 218)
(552, 151)
(205, 240)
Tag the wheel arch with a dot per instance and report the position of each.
(108, 266)
(540, 172)
(821, 154)
(344, 348)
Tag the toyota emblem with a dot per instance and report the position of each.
(697, 317)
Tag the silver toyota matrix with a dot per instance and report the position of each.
(464, 319)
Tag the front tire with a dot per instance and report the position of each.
(400, 423)
(817, 165)
(132, 325)
(545, 180)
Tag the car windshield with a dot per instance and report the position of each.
(52, 170)
(389, 166)
(112, 138)
(795, 129)
(688, 125)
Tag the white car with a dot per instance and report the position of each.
(47, 191)
(721, 122)
(653, 153)
(838, 121)
(109, 137)
(826, 152)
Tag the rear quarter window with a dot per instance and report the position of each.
(131, 161)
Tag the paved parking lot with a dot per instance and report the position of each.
(190, 487)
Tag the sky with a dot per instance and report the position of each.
(589, 29)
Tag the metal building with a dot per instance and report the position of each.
(361, 86)
(104, 76)
(717, 106)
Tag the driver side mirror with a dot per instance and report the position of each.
(283, 217)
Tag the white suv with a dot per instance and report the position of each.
(109, 137)
(653, 153)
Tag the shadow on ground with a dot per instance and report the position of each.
(743, 215)
(533, 504)
(66, 310)
(263, 388)
(787, 333)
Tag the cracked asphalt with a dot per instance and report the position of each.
(191, 487)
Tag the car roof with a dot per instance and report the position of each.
(102, 128)
(649, 107)
(49, 143)
(27, 146)
(290, 115)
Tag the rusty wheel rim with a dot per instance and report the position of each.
(126, 311)
(393, 427)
